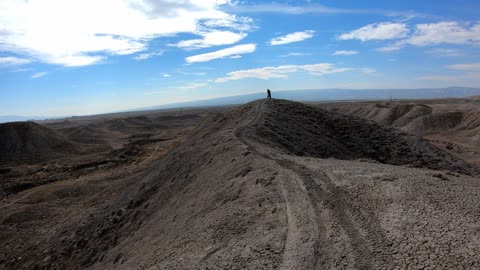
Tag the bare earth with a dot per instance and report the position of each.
(269, 185)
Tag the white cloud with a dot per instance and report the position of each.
(309, 8)
(11, 60)
(165, 74)
(445, 32)
(442, 52)
(214, 38)
(266, 73)
(377, 31)
(21, 70)
(368, 70)
(293, 37)
(144, 56)
(392, 47)
(439, 33)
(38, 75)
(235, 57)
(287, 9)
(235, 50)
(345, 53)
(295, 54)
(78, 33)
(193, 86)
(467, 67)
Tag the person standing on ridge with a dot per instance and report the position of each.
(269, 94)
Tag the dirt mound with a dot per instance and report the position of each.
(307, 131)
(129, 123)
(144, 123)
(120, 129)
(451, 124)
(87, 134)
(29, 142)
(197, 200)
(387, 113)
(434, 123)
(414, 113)
(469, 129)
(394, 113)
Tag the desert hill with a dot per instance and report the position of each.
(116, 131)
(272, 184)
(452, 124)
(416, 118)
(304, 130)
(29, 142)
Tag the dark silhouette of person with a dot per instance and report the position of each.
(269, 94)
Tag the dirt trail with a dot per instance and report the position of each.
(327, 228)
(19, 199)
(305, 203)
(302, 232)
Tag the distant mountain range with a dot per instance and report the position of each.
(16, 118)
(332, 95)
(305, 95)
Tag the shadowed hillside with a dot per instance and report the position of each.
(451, 124)
(28, 142)
(117, 131)
(308, 131)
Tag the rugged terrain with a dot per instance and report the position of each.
(269, 185)
(451, 124)
(30, 143)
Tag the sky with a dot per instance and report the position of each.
(65, 57)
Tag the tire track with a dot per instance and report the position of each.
(19, 199)
(361, 227)
(321, 198)
(301, 233)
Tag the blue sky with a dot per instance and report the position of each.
(60, 57)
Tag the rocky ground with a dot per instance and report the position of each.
(245, 191)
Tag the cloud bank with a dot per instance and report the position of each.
(11, 60)
(79, 33)
(214, 38)
(428, 34)
(345, 53)
(377, 31)
(233, 52)
(266, 73)
(291, 38)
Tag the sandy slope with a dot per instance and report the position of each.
(235, 197)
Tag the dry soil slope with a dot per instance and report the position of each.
(418, 119)
(29, 142)
(208, 203)
(387, 113)
(231, 197)
(120, 129)
(308, 131)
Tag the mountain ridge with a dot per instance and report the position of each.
(334, 94)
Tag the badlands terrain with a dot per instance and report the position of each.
(271, 184)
